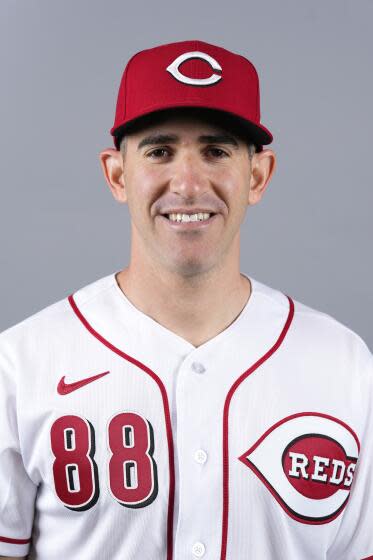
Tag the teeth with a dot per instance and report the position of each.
(189, 217)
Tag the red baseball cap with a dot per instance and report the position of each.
(190, 74)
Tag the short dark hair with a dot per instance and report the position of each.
(223, 120)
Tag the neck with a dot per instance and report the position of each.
(196, 307)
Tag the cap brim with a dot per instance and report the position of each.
(257, 134)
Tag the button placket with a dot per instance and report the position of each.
(200, 456)
(194, 431)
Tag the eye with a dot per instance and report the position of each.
(156, 153)
(217, 152)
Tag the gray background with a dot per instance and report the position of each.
(61, 63)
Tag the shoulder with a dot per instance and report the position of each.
(54, 322)
(316, 333)
(329, 331)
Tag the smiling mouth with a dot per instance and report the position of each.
(176, 222)
(186, 218)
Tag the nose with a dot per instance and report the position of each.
(188, 178)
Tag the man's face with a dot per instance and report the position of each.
(185, 166)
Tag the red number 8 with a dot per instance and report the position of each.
(132, 469)
(74, 470)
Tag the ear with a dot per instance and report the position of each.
(112, 166)
(263, 165)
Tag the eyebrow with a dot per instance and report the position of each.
(156, 139)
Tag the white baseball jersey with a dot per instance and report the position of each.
(120, 440)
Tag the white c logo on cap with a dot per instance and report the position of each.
(173, 68)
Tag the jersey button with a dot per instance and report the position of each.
(198, 549)
(197, 367)
(200, 456)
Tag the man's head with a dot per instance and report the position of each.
(185, 161)
(188, 140)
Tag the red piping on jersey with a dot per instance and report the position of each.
(226, 418)
(15, 541)
(147, 370)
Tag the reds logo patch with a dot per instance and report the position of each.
(173, 69)
(307, 461)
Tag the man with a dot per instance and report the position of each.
(180, 408)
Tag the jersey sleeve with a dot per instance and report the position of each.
(354, 540)
(17, 491)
